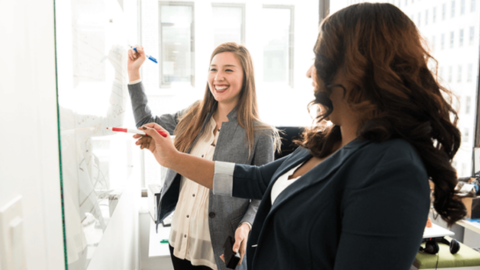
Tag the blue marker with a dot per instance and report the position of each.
(148, 56)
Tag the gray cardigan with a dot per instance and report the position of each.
(225, 213)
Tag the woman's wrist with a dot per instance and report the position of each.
(133, 75)
(173, 159)
(246, 225)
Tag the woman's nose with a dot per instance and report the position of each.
(309, 72)
(219, 76)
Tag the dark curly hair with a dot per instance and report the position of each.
(379, 51)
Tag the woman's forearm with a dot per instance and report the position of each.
(194, 168)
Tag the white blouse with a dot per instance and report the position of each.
(282, 183)
(190, 234)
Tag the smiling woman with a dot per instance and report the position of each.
(225, 78)
(223, 126)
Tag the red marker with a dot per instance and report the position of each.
(135, 131)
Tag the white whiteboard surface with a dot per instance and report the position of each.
(96, 164)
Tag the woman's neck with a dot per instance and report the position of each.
(349, 132)
(222, 111)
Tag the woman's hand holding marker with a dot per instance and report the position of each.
(135, 61)
(161, 146)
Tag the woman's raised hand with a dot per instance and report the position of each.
(161, 147)
(135, 61)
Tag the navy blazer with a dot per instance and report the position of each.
(364, 207)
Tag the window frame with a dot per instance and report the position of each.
(160, 40)
(235, 5)
(452, 11)
(291, 41)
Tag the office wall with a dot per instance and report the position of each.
(28, 119)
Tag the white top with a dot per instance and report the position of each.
(282, 183)
(190, 234)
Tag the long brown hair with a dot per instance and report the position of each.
(248, 117)
(379, 51)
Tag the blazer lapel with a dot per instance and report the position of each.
(321, 172)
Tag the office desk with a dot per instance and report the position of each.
(473, 226)
(436, 231)
(155, 247)
(465, 259)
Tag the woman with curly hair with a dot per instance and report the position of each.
(355, 194)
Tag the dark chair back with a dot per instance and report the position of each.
(288, 134)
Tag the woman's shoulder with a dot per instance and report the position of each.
(263, 129)
(398, 146)
(390, 160)
(393, 150)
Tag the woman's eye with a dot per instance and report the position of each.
(212, 69)
(228, 70)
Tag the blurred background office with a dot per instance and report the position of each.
(61, 78)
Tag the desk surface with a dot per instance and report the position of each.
(155, 248)
(474, 226)
(436, 231)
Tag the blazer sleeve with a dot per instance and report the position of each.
(264, 153)
(384, 217)
(243, 181)
(143, 114)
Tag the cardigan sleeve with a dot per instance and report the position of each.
(143, 114)
(384, 216)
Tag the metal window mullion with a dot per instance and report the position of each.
(476, 142)
(291, 46)
(192, 48)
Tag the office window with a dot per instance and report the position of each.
(433, 43)
(228, 23)
(440, 73)
(459, 74)
(419, 19)
(452, 39)
(468, 100)
(472, 35)
(442, 42)
(277, 45)
(470, 73)
(444, 11)
(434, 15)
(465, 137)
(453, 9)
(472, 6)
(462, 7)
(176, 39)
(460, 39)
(406, 2)
(426, 17)
(450, 73)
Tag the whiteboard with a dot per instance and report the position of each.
(92, 92)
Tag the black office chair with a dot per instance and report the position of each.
(287, 135)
